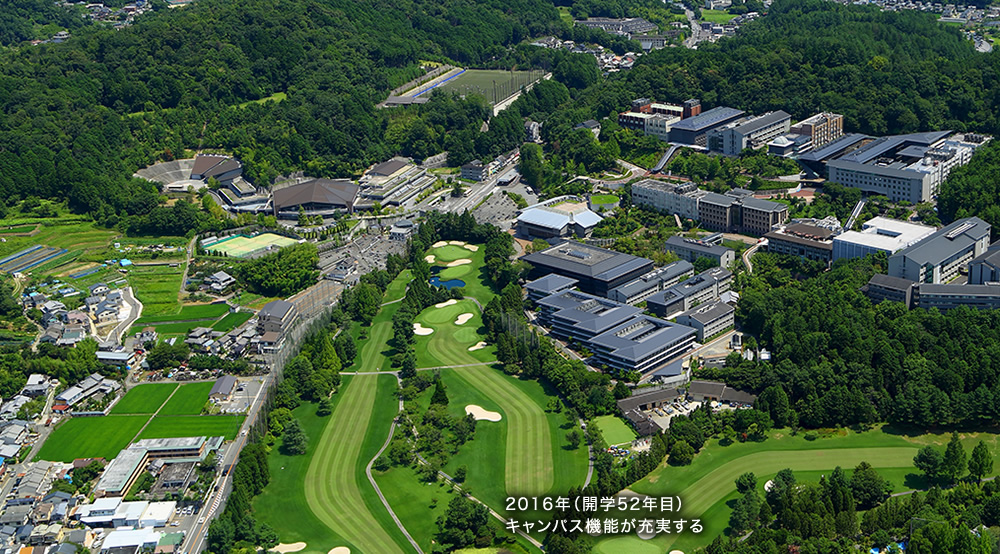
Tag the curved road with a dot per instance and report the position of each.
(748, 253)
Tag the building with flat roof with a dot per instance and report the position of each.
(816, 159)
(323, 197)
(740, 212)
(751, 132)
(649, 284)
(694, 130)
(596, 269)
(552, 283)
(717, 211)
(985, 268)
(704, 287)
(938, 258)
(627, 26)
(546, 222)
(709, 319)
(805, 241)
(692, 249)
(879, 234)
(642, 343)
(575, 315)
(947, 297)
(759, 216)
(822, 128)
(673, 198)
(393, 182)
(904, 167)
(121, 472)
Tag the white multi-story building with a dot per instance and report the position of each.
(879, 234)
(676, 198)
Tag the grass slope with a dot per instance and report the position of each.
(189, 399)
(157, 287)
(282, 505)
(144, 399)
(91, 437)
(232, 321)
(332, 490)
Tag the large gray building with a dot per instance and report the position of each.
(753, 132)
(704, 287)
(596, 269)
(904, 167)
(985, 268)
(692, 249)
(694, 130)
(649, 284)
(575, 315)
(673, 198)
(939, 257)
(709, 319)
(641, 343)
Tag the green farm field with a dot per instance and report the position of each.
(189, 399)
(91, 437)
(144, 399)
(232, 321)
(191, 312)
(158, 288)
(164, 427)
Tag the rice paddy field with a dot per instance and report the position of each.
(91, 437)
(157, 287)
(144, 399)
(189, 399)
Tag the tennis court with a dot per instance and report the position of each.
(241, 246)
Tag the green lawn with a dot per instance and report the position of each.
(164, 427)
(232, 321)
(716, 16)
(604, 199)
(189, 399)
(144, 399)
(615, 430)
(397, 288)
(413, 502)
(282, 504)
(172, 328)
(91, 437)
(450, 253)
(333, 487)
(276, 97)
(708, 484)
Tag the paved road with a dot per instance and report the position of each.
(119, 331)
(748, 253)
(194, 541)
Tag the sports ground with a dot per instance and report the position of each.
(494, 84)
(241, 245)
(150, 411)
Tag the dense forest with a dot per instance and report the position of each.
(840, 360)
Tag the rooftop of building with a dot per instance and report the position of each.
(276, 308)
(388, 168)
(551, 283)
(886, 234)
(696, 245)
(551, 218)
(709, 312)
(170, 444)
(708, 118)
(991, 256)
(118, 471)
(718, 199)
(640, 337)
(763, 205)
(758, 123)
(892, 283)
(945, 242)
(677, 188)
(317, 191)
(990, 290)
(846, 142)
(892, 146)
(588, 260)
(588, 312)
(641, 397)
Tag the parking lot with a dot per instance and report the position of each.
(246, 391)
(365, 254)
(662, 416)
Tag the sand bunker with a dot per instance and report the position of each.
(429, 259)
(463, 319)
(293, 547)
(768, 485)
(481, 413)
(463, 261)
(419, 329)
(478, 346)
(439, 244)
(676, 552)
(472, 247)
(457, 242)
(339, 550)
(446, 303)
